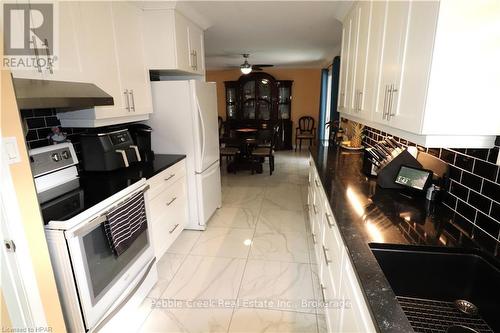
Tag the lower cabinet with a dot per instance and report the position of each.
(167, 207)
(346, 309)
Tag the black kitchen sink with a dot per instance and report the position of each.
(428, 282)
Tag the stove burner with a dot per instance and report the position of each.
(466, 307)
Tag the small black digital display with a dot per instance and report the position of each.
(412, 177)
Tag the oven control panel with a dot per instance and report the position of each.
(47, 159)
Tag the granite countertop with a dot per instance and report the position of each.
(366, 213)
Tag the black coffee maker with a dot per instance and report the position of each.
(141, 134)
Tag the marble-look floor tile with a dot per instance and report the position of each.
(224, 242)
(287, 246)
(263, 320)
(284, 286)
(184, 242)
(279, 220)
(283, 196)
(206, 278)
(167, 267)
(245, 197)
(187, 321)
(233, 217)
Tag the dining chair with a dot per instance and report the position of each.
(267, 151)
(305, 131)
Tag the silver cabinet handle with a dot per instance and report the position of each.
(195, 60)
(322, 287)
(193, 55)
(360, 98)
(128, 102)
(315, 209)
(314, 238)
(317, 182)
(47, 52)
(173, 229)
(327, 260)
(170, 177)
(329, 221)
(131, 93)
(171, 201)
(391, 102)
(384, 113)
(33, 40)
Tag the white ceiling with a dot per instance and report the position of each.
(282, 33)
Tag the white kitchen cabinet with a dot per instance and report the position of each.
(167, 207)
(428, 88)
(338, 281)
(362, 18)
(172, 42)
(134, 77)
(109, 41)
(344, 78)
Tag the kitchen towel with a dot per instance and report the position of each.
(125, 223)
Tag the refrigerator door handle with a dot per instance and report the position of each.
(203, 134)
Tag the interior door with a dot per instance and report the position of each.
(206, 122)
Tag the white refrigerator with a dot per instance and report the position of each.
(184, 121)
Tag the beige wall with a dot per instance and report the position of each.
(29, 208)
(305, 90)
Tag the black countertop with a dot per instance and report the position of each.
(366, 213)
(98, 186)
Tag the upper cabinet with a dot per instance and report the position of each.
(424, 70)
(172, 42)
(109, 38)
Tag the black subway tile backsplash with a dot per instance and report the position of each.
(474, 189)
(480, 202)
(486, 170)
(472, 181)
(464, 162)
(459, 190)
(35, 123)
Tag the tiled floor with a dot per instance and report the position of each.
(255, 252)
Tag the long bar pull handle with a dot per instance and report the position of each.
(47, 52)
(171, 201)
(33, 40)
(385, 101)
(131, 93)
(360, 100)
(314, 238)
(173, 229)
(329, 220)
(127, 98)
(389, 113)
(315, 208)
(322, 287)
(316, 182)
(325, 253)
(170, 177)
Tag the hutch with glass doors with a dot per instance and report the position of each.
(259, 101)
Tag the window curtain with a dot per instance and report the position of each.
(323, 103)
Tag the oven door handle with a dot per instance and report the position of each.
(92, 224)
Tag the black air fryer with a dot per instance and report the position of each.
(141, 134)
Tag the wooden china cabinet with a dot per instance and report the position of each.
(258, 100)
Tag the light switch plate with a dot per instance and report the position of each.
(10, 150)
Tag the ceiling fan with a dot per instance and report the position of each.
(246, 67)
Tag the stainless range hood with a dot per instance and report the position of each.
(45, 94)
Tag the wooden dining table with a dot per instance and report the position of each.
(246, 140)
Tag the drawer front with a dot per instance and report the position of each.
(329, 295)
(170, 222)
(163, 200)
(166, 178)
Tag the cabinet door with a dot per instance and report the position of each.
(69, 65)
(394, 45)
(345, 64)
(183, 57)
(362, 17)
(130, 58)
(95, 33)
(351, 63)
(196, 54)
(33, 72)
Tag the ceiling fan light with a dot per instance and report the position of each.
(246, 70)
